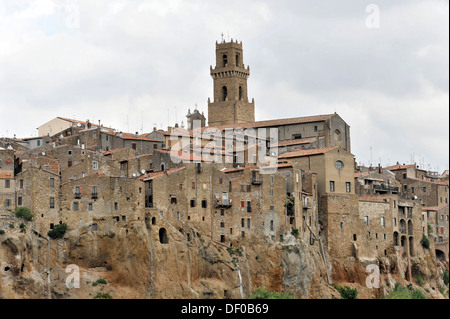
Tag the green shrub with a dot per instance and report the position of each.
(346, 292)
(425, 242)
(25, 213)
(295, 232)
(2, 232)
(417, 294)
(419, 279)
(58, 231)
(262, 293)
(430, 229)
(445, 278)
(401, 292)
(101, 295)
(100, 281)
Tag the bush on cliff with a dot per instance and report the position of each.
(25, 213)
(262, 293)
(425, 242)
(445, 277)
(346, 292)
(58, 231)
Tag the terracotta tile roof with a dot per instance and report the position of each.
(429, 182)
(152, 176)
(81, 122)
(281, 165)
(112, 151)
(288, 121)
(185, 156)
(376, 199)
(131, 136)
(434, 208)
(295, 142)
(6, 175)
(301, 153)
(399, 167)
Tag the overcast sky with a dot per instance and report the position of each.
(119, 60)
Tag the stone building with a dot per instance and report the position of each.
(98, 202)
(38, 190)
(7, 182)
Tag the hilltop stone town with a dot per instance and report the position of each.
(195, 212)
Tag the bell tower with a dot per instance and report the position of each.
(230, 105)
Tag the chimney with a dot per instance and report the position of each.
(380, 169)
(137, 134)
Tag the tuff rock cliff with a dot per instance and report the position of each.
(133, 263)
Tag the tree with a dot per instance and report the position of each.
(25, 213)
(58, 231)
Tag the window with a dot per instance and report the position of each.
(224, 93)
(52, 202)
(94, 191)
(204, 204)
(424, 189)
(242, 222)
(249, 188)
(116, 206)
(237, 59)
(342, 225)
(163, 167)
(271, 193)
(69, 152)
(134, 146)
(94, 227)
(193, 185)
(354, 237)
(404, 175)
(69, 163)
(7, 183)
(225, 60)
(21, 184)
(249, 223)
(52, 182)
(271, 225)
(366, 220)
(193, 203)
(1, 164)
(348, 187)
(413, 189)
(178, 216)
(7, 203)
(331, 186)
(94, 136)
(271, 180)
(222, 224)
(240, 93)
(316, 128)
(243, 234)
(173, 200)
(242, 188)
(222, 238)
(75, 206)
(395, 204)
(19, 201)
(181, 186)
(90, 207)
(383, 221)
(95, 165)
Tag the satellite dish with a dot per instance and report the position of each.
(415, 197)
(43, 153)
(143, 172)
(79, 124)
(134, 175)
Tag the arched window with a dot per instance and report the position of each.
(153, 220)
(237, 59)
(163, 236)
(395, 238)
(240, 93)
(410, 227)
(224, 93)
(225, 60)
(337, 136)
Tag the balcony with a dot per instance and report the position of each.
(77, 195)
(224, 203)
(384, 188)
(94, 195)
(257, 180)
